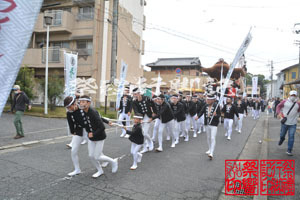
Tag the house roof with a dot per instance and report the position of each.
(290, 67)
(180, 62)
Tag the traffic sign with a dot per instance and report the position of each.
(178, 70)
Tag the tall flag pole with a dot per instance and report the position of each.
(237, 57)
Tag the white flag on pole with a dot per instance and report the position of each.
(237, 57)
(17, 19)
(159, 79)
(123, 74)
(70, 63)
(254, 85)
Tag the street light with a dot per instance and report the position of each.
(48, 22)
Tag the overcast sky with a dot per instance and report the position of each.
(213, 29)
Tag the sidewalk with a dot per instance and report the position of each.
(276, 152)
(262, 144)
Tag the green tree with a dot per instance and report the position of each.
(55, 88)
(26, 81)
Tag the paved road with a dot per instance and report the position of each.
(185, 172)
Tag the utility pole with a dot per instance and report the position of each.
(297, 42)
(272, 69)
(113, 67)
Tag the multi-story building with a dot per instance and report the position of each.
(291, 79)
(177, 74)
(85, 27)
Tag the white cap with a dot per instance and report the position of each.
(293, 92)
(16, 87)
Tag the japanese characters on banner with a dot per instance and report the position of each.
(123, 74)
(254, 85)
(236, 59)
(70, 73)
(17, 20)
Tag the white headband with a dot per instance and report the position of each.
(84, 99)
(73, 99)
(138, 117)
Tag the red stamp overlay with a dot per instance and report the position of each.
(267, 177)
(241, 177)
(277, 177)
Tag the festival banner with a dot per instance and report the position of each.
(70, 68)
(254, 85)
(17, 19)
(159, 79)
(237, 57)
(123, 74)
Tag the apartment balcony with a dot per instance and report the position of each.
(36, 58)
(62, 21)
(83, 2)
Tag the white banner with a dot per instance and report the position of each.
(254, 85)
(70, 62)
(159, 79)
(236, 59)
(123, 74)
(17, 20)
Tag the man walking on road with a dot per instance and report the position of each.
(288, 110)
(19, 104)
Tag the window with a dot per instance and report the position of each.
(61, 44)
(86, 13)
(85, 47)
(293, 75)
(284, 77)
(56, 17)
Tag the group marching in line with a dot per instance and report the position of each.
(176, 117)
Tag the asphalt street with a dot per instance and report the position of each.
(39, 170)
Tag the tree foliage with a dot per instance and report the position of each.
(25, 80)
(55, 88)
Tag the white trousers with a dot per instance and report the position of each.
(146, 127)
(155, 128)
(180, 127)
(191, 119)
(123, 116)
(256, 114)
(211, 133)
(200, 123)
(228, 126)
(135, 152)
(96, 154)
(169, 125)
(76, 142)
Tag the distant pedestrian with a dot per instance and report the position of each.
(275, 104)
(288, 110)
(19, 105)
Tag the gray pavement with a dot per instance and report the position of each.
(38, 171)
(276, 152)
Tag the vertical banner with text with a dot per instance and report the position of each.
(70, 73)
(17, 20)
(254, 85)
(123, 74)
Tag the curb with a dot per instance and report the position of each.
(30, 143)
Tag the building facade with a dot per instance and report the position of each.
(177, 74)
(291, 79)
(85, 27)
